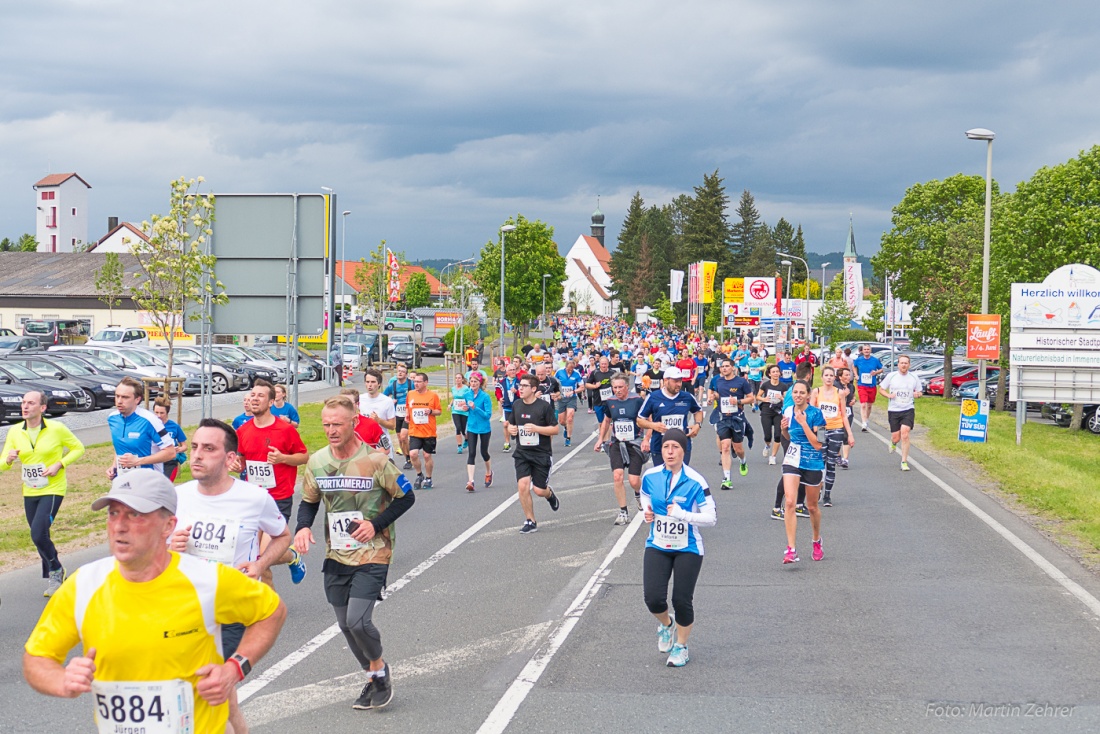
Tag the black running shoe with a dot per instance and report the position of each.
(553, 500)
(408, 464)
(363, 703)
(827, 500)
(383, 689)
(529, 526)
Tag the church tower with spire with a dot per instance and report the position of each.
(853, 272)
(597, 223)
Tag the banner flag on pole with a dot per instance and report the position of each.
(676, 288)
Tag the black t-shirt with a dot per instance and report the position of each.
(604, 379)
(771, 391)
(538, 413)
(548, 387)
(525, 349)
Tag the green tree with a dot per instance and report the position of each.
(743, 232)
(933, 255)
(6, 245)
(417, 291)
(713, 316)
(706, 229)
(835, 289)
(663, 311)
(27, 243)
(625, 258)
(108, 283)
(762, 260)
(833, 317)
(178, 272)
(1052, 219)
(529, 252)
(875, 321)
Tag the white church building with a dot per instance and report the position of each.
(588, 273)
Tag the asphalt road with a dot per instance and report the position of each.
(934, 610)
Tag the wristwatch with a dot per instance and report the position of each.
(242, 664)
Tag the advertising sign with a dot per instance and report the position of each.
(676, 286)
(759, 291)
(1069, 298)
(983, 336)
(733, 290)
(853, 285)
(393, 268)
(974, 421)
(746, 321)
(709, 270)
(695, 319)
(447, 319)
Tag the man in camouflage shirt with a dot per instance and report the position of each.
(364, 493)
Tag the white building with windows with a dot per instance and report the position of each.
(61, 221)
(119, 238)
(588, 273)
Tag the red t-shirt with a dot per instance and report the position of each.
(368, 430)
(253, 443)
(686, 367)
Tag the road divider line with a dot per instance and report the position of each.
(1018, 543)
(501, 715)
(271, 674)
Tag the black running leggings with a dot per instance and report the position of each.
(657, 568)
(41, 511)
(363, 638)
(834, 439)
(471, 452)
(770, 419)
(460, 423)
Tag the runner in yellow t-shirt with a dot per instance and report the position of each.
(148, 620)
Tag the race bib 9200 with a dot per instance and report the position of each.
(605, 393)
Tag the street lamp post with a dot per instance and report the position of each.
(787, 318)
(503, 230)
(542, 321)
(806, 299)
(343, 274)
(980, 133)
(823, 266)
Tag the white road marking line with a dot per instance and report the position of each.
(270, 674)
(341, 689)
(1030, 553)
(513, 698)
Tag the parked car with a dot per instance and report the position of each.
(305, 365)
(13, 344)
(959, 375)
(98, 365)
(433, 346)
(355, 356)
(1063, 415)
(224, 375)
(72, 371)
(136, 360)
(277, 354)
(402, 320)
(51, 332)
(258, 367)
(115, 336)
(60, 398)
(4, 331)
(407, 353)
(11, 403)
(396, 339)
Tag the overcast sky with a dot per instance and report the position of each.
(435, 121)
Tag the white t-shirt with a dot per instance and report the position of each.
(383, 405)
(904, 388)
(212, 519)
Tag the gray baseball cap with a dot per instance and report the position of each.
(144, 490)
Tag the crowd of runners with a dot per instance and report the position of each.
(205, 549)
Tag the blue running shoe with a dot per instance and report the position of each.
(297, 567)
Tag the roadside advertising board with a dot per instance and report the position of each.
(974, 421)
(983, 336)
(447, 318)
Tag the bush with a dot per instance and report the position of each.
(853, 335)
(470, 336)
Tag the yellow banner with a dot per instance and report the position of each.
(709, 271)
(734, 290)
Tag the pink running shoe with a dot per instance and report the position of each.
(818, 553)
(790, 556)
